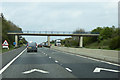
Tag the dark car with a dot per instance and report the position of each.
(46, 45)
(39, 45)
(32, 46)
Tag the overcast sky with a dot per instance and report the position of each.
(60, 16)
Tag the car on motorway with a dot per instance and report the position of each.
(40, 45)
(46, 45)
(31, 46)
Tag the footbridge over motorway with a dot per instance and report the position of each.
(53, 33)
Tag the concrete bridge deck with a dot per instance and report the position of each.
(52, 33)
(41, 34)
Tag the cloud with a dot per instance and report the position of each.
(111, 5)
(59, 0)
(0, 7)
(60, 16)
(63, 13)
(46, 17)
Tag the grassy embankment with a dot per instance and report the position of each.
(10, 26)
(11, 48)
(108, 39)
(6, 50)
(104, 44)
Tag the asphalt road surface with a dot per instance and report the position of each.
(48, 63)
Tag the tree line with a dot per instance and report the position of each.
(109, 38)
(10, 26)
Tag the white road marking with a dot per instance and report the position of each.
(99, 60)
(99, 69)
(92, 59)
(27, 72)
(46, 54)
(4, 68)
(8, 51)
(56, 61)
(33, 70)
(49, 57)
(110, 63)
(68, 69)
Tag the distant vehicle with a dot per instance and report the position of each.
(58, 42)
(40, 45)
(46, 45)
(31, 46)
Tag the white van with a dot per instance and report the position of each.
(58, 42)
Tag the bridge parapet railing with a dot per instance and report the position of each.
(52, 32)
(48, 32)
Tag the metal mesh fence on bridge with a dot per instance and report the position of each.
(52, 32)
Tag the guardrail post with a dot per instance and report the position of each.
(81, 41)
(16, 40)
(48, 39)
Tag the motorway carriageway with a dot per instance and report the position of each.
(49, 63)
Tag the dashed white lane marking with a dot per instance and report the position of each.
(4, 68)
(68, 69)
(49, 57)
(56, 61)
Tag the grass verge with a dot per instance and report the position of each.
(10, 48)
(102, 45)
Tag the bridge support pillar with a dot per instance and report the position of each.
(48, 39)
(16, 40)
(81, 41)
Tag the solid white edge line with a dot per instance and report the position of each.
(99, 60)
(96, 60)
(4, 68)
(107, 62)
(68, 69)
